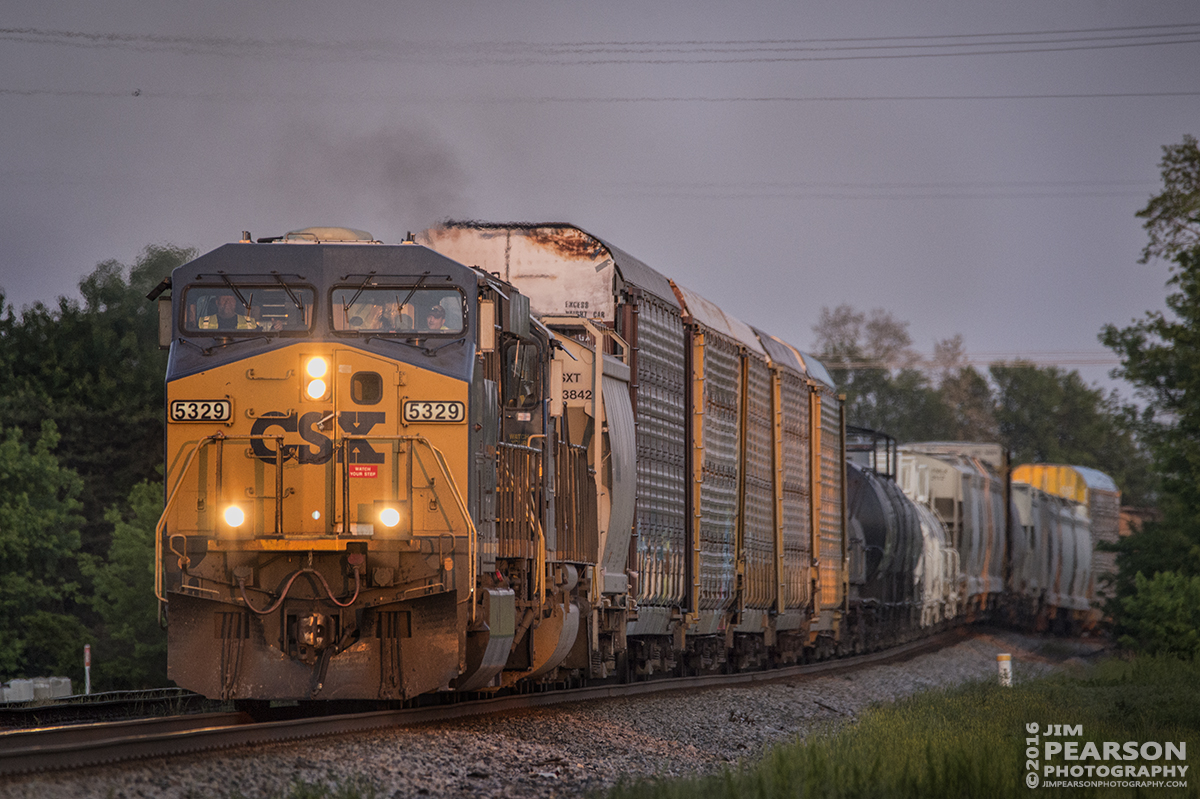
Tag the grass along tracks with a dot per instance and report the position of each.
(975, 740)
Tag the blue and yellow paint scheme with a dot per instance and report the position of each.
(317, 474)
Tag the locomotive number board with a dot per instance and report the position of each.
(201, 410)
(434, 411)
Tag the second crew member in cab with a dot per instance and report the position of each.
(435, 321)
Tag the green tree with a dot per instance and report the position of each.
(1162, 615)
(970, 403)
(903, 404)
(132, 652)
(1173, 217)
(871, 359)
(966, 393)
(1157, 548)
(40, 634)
(1160, 355)
(95, 370)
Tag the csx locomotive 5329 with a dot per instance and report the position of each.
(515, 454)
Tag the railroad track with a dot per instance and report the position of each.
(106, 706)
(75, 746)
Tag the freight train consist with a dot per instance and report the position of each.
(512, 455)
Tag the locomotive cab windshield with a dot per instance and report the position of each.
(232, 308)
(398, 310)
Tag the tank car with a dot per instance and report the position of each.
(903, 569)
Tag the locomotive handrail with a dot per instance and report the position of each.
(597, 332)
(472, 533)
(533, 522)
(162, 519)
(187, 466)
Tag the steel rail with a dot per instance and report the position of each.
(76, 746)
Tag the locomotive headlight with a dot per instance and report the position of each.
(317, 367)
(388, 515)
(234, 516)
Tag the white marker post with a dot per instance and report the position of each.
(87, 668)
(1004, 662)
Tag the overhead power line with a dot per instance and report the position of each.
(1170, 26)
(1038, 358)
(585, 53)
(359, 98)
(958, 190)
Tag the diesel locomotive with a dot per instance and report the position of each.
(501, 456)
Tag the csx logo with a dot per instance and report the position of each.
(355, 423)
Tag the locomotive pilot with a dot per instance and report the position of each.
(227, 317)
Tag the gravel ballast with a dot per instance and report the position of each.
(567, 750)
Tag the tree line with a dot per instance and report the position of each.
(81, 398)
(1041, 414)
(81, 430)
(1157, 607)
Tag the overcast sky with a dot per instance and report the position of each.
(972, 167)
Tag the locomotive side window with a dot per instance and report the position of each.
(366, 388)
(398, 310)
(522, 375)
(245, 309)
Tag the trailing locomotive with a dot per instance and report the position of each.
(389, 474)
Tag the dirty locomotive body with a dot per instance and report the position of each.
(390, 474)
